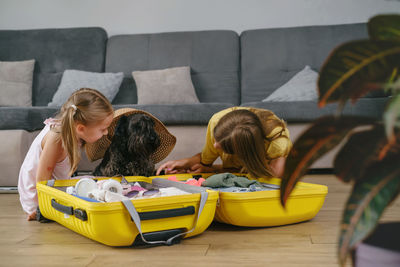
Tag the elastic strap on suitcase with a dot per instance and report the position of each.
(136, 219)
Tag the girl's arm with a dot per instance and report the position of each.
(217, 168)
(278, 166)
(52, 152)
(199, 168)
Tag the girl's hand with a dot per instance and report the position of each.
(32, 216)
(174, 166)
(179, 166)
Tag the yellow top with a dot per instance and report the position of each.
(279, 147)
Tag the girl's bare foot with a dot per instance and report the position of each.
(32, 216)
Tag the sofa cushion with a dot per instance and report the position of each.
(271, 57)
(167, 86)
(32, 118)
(16, 83)
(106, 83)
(182, 114)
(25, 118)
(307, 111)
(301, 87)
(54, 51)
(212, 55)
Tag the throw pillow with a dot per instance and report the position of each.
(167, 86)
(16, 83)
(302, 87)
(106, 83)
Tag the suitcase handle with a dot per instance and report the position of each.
(159, 235)
(160, 214)
(64, 209)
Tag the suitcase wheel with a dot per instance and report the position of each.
(40, 218)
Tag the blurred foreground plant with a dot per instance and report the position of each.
(370, 157)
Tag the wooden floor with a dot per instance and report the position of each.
(311, 243)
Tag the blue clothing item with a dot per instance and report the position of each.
(86, 198)
(235, 189)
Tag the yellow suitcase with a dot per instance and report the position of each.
(160, 220)
(263, 208)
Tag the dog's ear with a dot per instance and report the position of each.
(156, 141)
(147, 124)
(153, 140)
(121, 128)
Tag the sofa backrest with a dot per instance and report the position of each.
(54, 50)
(270, 57)
(213, 57)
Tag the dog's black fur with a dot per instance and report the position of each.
(129, 153)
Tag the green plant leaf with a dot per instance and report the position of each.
(391, 117)
(384, 27)
(325, 133)
(356, 68)
(370, 196)
(393, 86)
(361, 150)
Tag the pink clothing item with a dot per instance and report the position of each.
(195, 182)
(190, 181)
(173, 178)
(132, 188)
(137, 188)
(52, 121)
(27, 173)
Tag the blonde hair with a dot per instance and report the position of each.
(241, 133)
(85, 106)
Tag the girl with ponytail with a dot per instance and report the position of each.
(55, 152)
(248, 140)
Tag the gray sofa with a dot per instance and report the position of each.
(226, 70)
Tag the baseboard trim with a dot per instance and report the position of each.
(321, 171)
(8, 190)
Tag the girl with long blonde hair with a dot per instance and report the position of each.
(55, 152)
(248, 140)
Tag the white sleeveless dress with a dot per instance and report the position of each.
(27, 173)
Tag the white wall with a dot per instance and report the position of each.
(148, 16)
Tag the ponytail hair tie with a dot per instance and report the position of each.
(74, 107)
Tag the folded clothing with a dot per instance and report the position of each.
(172, 191)
(113, 191)
(106, 196)
(235, 189)
(229, 180)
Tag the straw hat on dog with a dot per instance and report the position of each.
(96, 150)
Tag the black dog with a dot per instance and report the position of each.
(129, 153)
